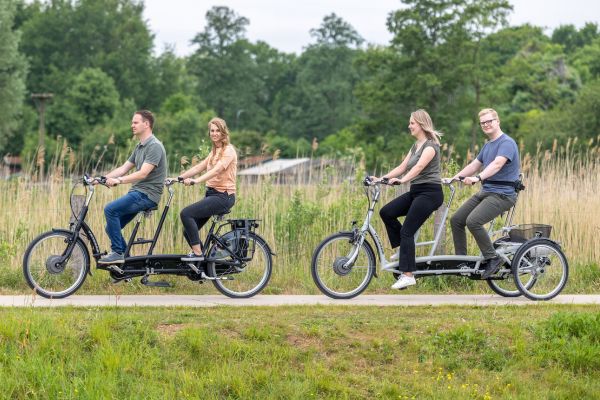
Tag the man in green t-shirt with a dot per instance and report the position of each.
(150, 162)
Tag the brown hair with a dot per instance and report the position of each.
(422, 118)
(147, 116)
(217, 152)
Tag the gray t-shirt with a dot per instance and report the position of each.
(431, 172)
(151, 152)
(506, 147)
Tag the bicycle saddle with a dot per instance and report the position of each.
(219, 217)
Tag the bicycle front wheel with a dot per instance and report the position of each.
(247, 279)
(332, 272)
(46, 269)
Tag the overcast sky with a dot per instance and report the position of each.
(285, 24)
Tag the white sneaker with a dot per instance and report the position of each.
(404, 282)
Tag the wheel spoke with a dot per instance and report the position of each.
(333, 273)
(543, 263)
(248, 279)
(47, 272)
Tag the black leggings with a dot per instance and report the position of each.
(194, 216)
(417, 205)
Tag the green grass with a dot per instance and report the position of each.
(531, 352)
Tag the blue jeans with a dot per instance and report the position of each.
(120, 212)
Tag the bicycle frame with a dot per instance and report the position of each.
(52, 273)
(211, 239)
(466, 265)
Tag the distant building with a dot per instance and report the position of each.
(11, 165)
(252, 161)
(296, 170)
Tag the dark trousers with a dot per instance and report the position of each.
(479, 210)
(194, 216)
(417, 205)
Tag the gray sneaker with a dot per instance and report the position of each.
(112, 258)
(493, 265)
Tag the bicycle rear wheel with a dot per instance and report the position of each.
(44, 271)
(542, 261)
(330, 271)
(250, 277)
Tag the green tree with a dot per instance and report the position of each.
(334, 31)
(13, 68)
(236, 78)
(61, 37)
(587, 61)
(170, 76)
(226, 70)
(320, 100)
(439, 44)
(91, 100)
(572, 39)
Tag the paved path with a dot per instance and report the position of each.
(285, 300)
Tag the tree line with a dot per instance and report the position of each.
(338, 97)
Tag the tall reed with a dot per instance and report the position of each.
(562, 190)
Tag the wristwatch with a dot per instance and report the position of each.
(479, 177)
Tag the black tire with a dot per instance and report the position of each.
(542, 261)
(497, 287)
(50, 280)
(328, 271)
(252, 277)
(505, 287)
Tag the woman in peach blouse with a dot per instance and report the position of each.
(220, 175)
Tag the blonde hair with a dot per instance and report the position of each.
(422, 118)
(217, 152)
(489, 111)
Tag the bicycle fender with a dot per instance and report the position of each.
(543, 238)
(355, 234)
(67, 231)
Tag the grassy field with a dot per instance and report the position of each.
(525, 352)
(562, 190)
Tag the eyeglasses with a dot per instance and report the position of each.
(488, 122)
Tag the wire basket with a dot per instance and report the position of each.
(525, 232)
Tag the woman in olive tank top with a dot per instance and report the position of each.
(421, 167)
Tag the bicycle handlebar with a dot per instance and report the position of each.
(384, 181)
(90, 180)
(449, 181)
(169, 182)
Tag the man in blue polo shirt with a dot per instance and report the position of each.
(500, 165)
